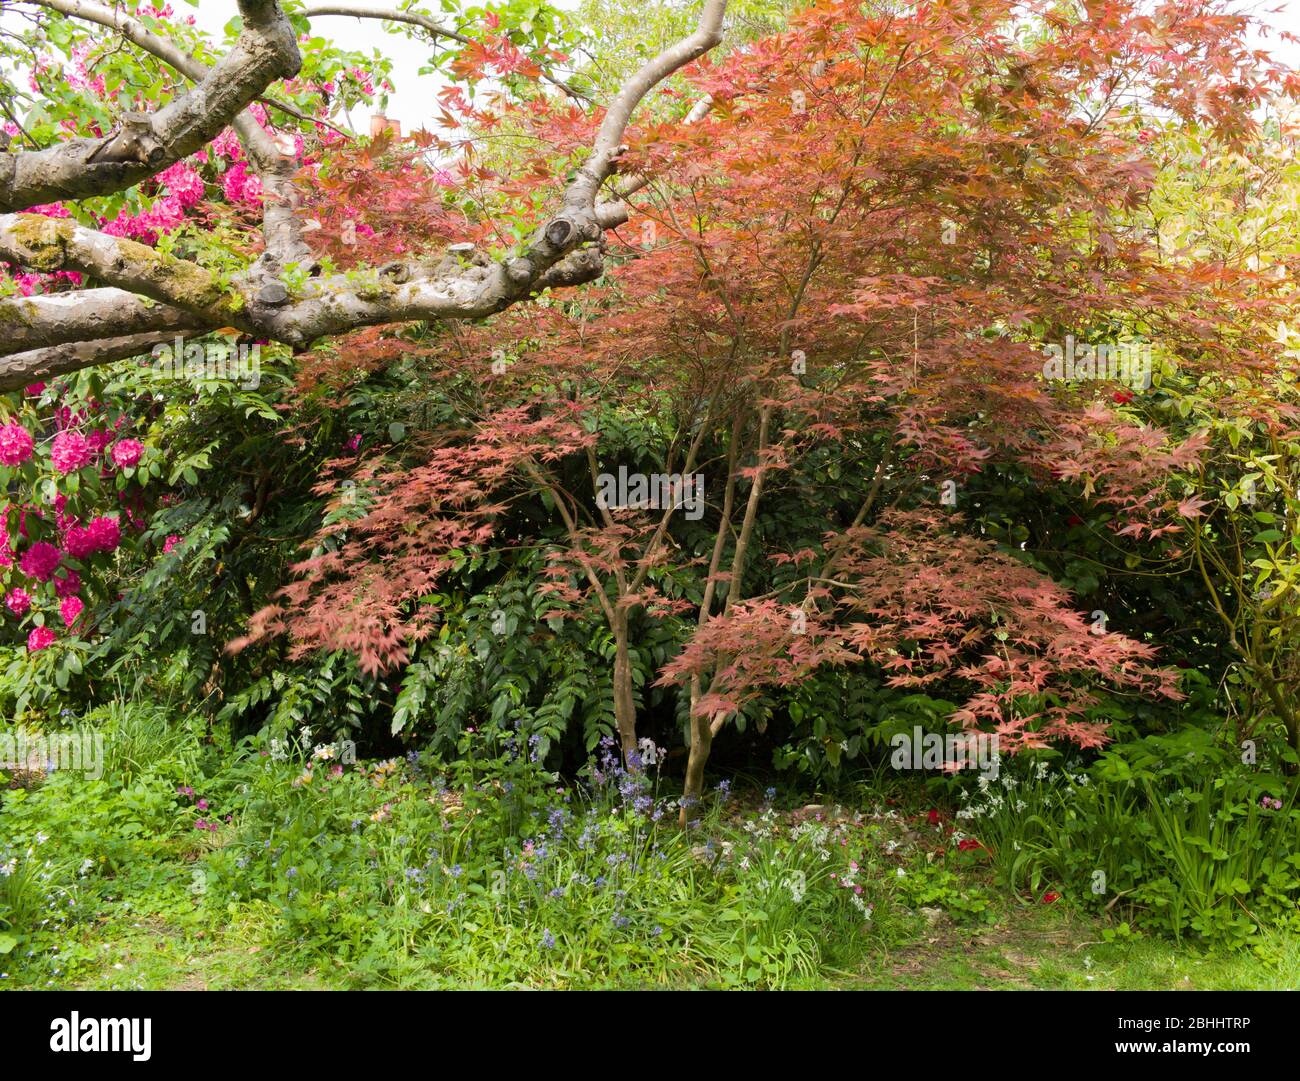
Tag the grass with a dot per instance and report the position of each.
(1049, 948)
(240, 872)
(154, 933)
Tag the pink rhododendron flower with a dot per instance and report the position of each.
(67, 584)
(241, 186)
(18, 601)
(226, 145)
(70, 609)
(106, 532)
(70, 452)
(184, 183)
(78, 542)
(39, 639)
(127, 452)
(170, 543)
(15, 444)
(98, 440)
(40, 561)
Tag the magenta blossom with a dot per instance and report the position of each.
(40, 561)
(106, 533)
(15, 444)
(127, 452)
(67, 584)
(70, 452)
(170, 543)
(70, 608)
(18, 601)
(79, 542)
(39, 639)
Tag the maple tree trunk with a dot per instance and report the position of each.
(701, 745)
(624, 699)
(701, 732)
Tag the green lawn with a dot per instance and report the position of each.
(1023, 947)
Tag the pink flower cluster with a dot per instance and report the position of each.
(183, 182)
(127, 452)
(102, 534)
(70, 609)
(241, 186)
(40, 561)
(71, 451)
(39, 639)
(15, 444)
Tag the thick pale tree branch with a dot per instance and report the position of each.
(51, 244)
(54, 319)
(20, 369)
(148, 142)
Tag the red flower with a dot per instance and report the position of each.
(1049, 897)
(1123, 397)
(933, 816)
(968, 844)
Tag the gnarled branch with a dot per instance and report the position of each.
(148, 142)
(565, 251)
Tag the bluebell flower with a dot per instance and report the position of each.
(548, 939)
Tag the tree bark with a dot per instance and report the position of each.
(624, 690)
